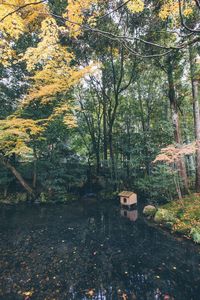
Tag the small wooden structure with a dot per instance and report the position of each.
(128, 198)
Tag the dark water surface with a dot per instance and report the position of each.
(92, 251)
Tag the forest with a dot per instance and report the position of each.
(97, 97)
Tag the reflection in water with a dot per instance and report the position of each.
(132, 215)
(69, 252)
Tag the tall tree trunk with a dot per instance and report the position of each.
(190, 160)
(97, 154)
(34, 173)
(110, 139)
(128, 154)
(196, 113)
(175, 121)
(5, 193)
(19, 177)
(197, 133)
(105, 142)
(145, 121)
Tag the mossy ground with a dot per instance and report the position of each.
(187, 216)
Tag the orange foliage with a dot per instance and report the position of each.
(171, 153)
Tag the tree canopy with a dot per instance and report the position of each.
(91, 91)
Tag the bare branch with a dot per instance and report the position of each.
(114, 10)
(146, 56)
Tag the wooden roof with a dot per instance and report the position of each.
(126, 194)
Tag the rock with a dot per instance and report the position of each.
(149, 210)
(164, 216)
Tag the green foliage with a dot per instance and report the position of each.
(182, 216)
(14, 198)
(116, 119)
(5, 177)
(159, 185)
(164, 216)
(195, 234)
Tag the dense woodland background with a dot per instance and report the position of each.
(92, 94)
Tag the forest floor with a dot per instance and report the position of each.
(182, 216)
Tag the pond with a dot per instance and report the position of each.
(92, 251)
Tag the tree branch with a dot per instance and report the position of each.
(114, 10)
(197, 3)
(182, 20)
(21, 7)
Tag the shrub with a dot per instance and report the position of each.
(163, 216)
(195, 234)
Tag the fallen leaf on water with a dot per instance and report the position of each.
(28, 294)
(90, 293)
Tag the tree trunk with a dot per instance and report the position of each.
(97, 154)
(34, 173)
(105, 143)
(5, 193)
(197, 132)
(196, 113)
(190, 160)
(19, 177)
(110, 138)
(175, 121)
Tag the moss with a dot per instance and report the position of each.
(149, 210)
(163, 216)
(184, 215)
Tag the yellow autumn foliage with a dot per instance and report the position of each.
(6, 52)
(64, 110)
(55, 74)
(170, 8)
(135, 6)
(75, 15)
(12, 26)
(16, 133)
(14, 23)
(49, 63)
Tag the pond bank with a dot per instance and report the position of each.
(56, 198)
(179, 216)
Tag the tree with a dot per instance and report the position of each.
(195, 87)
